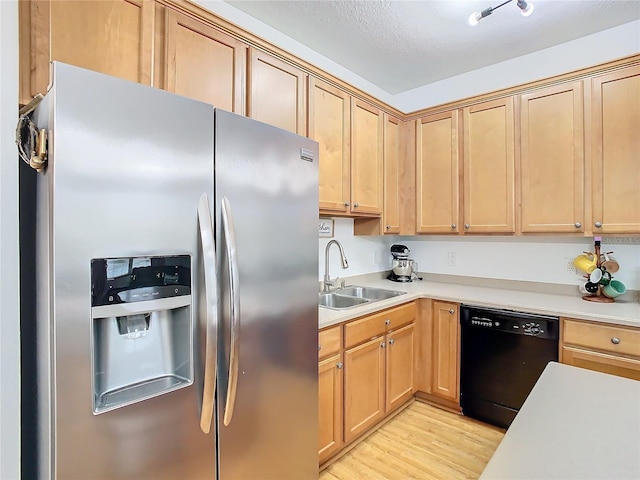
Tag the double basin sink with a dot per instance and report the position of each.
(354, 296)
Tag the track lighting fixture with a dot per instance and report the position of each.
(526, 8)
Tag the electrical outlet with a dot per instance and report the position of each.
(569, 265)
(451, 259)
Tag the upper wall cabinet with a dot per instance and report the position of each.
(615, 151)
(489, 161)
(204, 63)
(552, 159)
(392, 169)
(110, 36)
(277, 93)
(329, 117)
(437, 173)
(366, 158)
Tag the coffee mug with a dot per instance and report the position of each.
(600, 275)
(609, 263)
(588, 288)
(586, 262)
(614, 289)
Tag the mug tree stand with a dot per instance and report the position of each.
(598, 296)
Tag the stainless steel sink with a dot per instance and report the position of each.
(369, 292)
(353, 296)
(339, 302)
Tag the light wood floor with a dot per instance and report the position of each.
(422, 442)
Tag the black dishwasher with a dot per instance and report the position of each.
(502, 355)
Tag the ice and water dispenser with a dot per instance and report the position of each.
(141, 328)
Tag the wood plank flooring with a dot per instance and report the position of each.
(422, 442)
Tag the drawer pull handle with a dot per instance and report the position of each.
(615, 340)
(339, 364)
(387, 322)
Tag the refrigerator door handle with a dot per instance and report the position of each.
(234, 282)
(211, 287)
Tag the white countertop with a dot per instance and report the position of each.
(623, 312)
(575, 424)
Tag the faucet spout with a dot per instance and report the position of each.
(343, 261)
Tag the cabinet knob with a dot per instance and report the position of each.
(452, 311)
(387, 322)
(356, 205)
(339, 364)
(453, 226)
(319, 347)
(391, 341)
(346, 204)
(467, 226)
(387, 227)
(578, 224)
(598, 224)
(383, 345)
(615, 340)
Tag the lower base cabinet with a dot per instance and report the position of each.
(604, 348)
(377, 376)
(330, 406)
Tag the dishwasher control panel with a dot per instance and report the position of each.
(509, 321)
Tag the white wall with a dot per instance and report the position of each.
(9, 292)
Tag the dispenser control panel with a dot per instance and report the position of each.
(137, 279)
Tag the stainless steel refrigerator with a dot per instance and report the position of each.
(176, 289)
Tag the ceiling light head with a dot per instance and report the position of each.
(475, 17)
(526, 8)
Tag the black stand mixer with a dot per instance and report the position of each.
(403, 269)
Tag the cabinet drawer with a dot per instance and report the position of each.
(329, 341)
(602, 362)
(371, 326)
(602, 337)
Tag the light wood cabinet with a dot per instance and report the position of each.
(329, 125)
(610, 349)
(400, 384)
(204, 63)
(330, 378)
(378, 373)
(552, 160)
(366, 159)
(615, 151)
(488, 164)
(114, 37)
(277, 92)
(437, 173)
(445, 372)
(391, 176)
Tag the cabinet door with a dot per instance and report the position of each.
(400, 358)
(330, 406)
(391, 211)
(437, 173)
(363, 387)
(366, 158)
(615, 151)
(489, 161)
(602, 362)
(110, 36)
(552, 159)
(204, 64)
(329, 117)
(445, 362)
(277, 93)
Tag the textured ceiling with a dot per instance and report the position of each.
(401, 45)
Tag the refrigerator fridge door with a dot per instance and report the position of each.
(121, 372)
(266, 211)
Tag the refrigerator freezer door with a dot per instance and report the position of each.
(270, 187)
(127, 167)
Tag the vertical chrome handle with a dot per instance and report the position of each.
(211, 326)
(234, 282)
